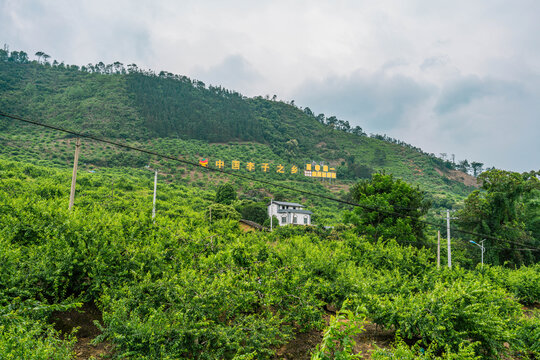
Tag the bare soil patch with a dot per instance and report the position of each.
(302, 346)
(460, 176)
(83, 321)
(372, 337)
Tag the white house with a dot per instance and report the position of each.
(289, 213)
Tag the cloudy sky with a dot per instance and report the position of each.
(458, 77)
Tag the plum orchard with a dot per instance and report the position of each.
(184, 288)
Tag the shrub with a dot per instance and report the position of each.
(461, 311)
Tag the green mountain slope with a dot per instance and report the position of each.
(181, 117)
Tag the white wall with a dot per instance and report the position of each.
(273, 211)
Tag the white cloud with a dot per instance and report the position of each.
(234, 72)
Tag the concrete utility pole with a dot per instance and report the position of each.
(74, 176)
(271, 225)
(154, 202)
(448, 237)
(438, 249)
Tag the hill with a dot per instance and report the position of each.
(181, 117)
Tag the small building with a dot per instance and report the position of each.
(289, 213)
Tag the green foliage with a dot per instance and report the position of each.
(528, 336)
(524, 283)
(453, 312)
(338, 340)
(180, 286)
(256, 212)
(400, 350)
(389, 208)
(225, 194)
(500, 211)
(24, 333)
(222, 211)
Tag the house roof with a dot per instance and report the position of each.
(252, 224)
(286, 203)
(295, 211)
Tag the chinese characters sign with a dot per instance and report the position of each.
(319, 171)
(311, 170)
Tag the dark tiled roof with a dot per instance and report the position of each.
(252, 224)
(286, 203)
(295, 211)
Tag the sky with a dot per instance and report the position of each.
(457, 77)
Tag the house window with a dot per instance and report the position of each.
(305, 220)
(283, 219)
(295, 220)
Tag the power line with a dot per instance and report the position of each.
(246, 177)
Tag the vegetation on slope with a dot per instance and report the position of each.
(180, 116)
(185, 287)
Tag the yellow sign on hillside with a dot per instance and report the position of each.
(319, 171)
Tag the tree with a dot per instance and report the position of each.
(463, 166)
(256, 212)
(39, 54)
(291, 148)
(308, 112)
(331, 121)
(504, 211)
(389, 208)
(225, 194)
(357, 130)
(476, 168)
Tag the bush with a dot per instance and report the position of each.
(338, 340)
(452, 313)
(401, 351)
(528, 336)
(225, 194)
(524, 283)
(222, 211)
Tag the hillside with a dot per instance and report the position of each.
(181, 117)
(182, 286)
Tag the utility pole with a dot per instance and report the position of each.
(271, 225)
(154, 202)
(438, 249)
(448, 237)
(74, 176)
